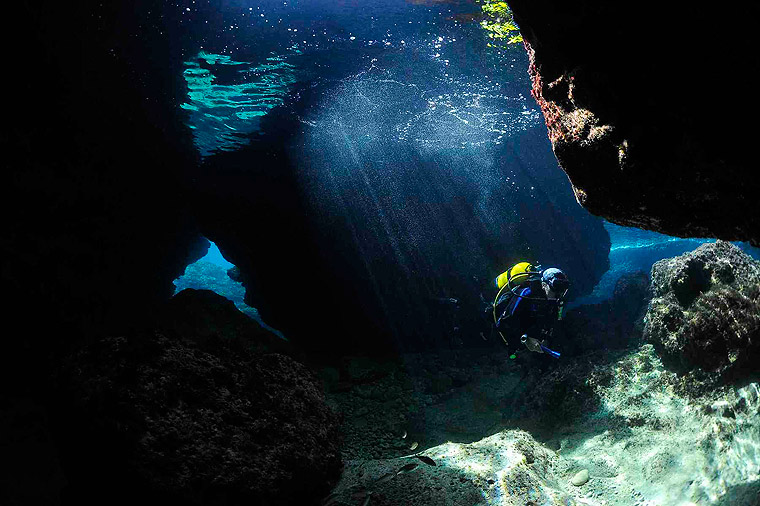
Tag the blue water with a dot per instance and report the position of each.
(211, 273)
(393, 87)
(215, 257)
(416, 73)
(634, 249)
(421, 65)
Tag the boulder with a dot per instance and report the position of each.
(197, 416)
(630, 93)
(705, 312)
(508, 467)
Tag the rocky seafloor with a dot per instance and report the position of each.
(643, 444)
(626, 429)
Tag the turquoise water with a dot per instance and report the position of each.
(211, 273)
(634, 249)
(418, 61)
(215, 257)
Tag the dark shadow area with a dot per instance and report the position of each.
(747, 494)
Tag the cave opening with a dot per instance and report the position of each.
(636, 250)
(367, 168)
(390, 159)
(214, 272)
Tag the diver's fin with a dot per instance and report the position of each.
(554, 354)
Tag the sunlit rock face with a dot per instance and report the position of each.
(705, 312)
(645, 111)
(622, 418)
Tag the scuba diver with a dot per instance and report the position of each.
(529, 302)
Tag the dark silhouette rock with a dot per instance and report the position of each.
(705, 312)
(29, 450)
(202, 314)
(197, 414)
(635, 111)
(556, 394)
(612, 324)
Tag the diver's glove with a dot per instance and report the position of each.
(531, 343)
(534, 344)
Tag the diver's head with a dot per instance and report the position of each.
(555, 283)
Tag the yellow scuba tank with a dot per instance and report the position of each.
(510, 279)
(516, 275)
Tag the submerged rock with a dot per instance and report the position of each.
(705, 312)
(580, 478)
(199, 415)
(640, 439)
(204, 314)
(648, 441)
(611, 324)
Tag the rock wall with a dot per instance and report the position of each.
(645, 110)
(99, 223)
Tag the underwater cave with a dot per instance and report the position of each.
(254, 249)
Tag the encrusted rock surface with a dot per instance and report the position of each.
(644, 113)
(200, 415)
(653, 443)
(705, 312)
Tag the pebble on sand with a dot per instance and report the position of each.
(580, 478)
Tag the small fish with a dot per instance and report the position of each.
(447, 300)
(366, 501)
(404, 436)
(384, 479)
(426, 460)
(407, 468)
(414, 445)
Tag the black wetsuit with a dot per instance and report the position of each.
(526, 310)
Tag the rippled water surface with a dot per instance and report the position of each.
(418, 72)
